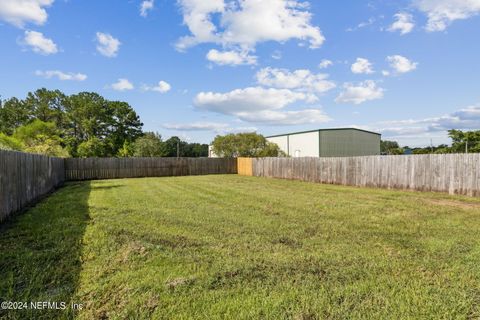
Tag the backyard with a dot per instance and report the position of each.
(233, 247)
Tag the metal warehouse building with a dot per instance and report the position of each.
(342, 142)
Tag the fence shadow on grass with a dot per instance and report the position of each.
(40, 253)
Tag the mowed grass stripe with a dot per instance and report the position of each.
(225, 246)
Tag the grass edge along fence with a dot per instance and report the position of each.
(452, 173)
(25, 177)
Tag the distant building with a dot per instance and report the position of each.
(212, 154)
(342, 142)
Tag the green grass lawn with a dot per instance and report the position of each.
(231, 247)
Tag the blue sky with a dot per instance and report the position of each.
(196, 68)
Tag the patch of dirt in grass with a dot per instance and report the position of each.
(178, 282)
(270, 210)
(454, 203)
(286, 241)
(237, 276)
(305, 316)
(131, 249)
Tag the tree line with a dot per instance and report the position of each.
(462, 142)
(82, 125)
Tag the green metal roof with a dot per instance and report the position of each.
(318, 130)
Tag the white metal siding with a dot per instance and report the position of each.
(304, 144)
(281, 141)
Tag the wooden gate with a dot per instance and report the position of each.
(244, 166)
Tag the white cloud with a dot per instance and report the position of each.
(219, 128)
(248, 22)
(465, 119)
(362, 25)
(197, 126)
(357, 94)
(232, 58)
(277, 55)
(39, 43)
(386, 73)
(20, 12)
(362, 65)
(260, 105)
(401, 64)
(403, 23)
(303, 80)
(162, 87)
(61, 75)
(441, 13)
(273, 117)
(325, 63)
(107, 45)
(146, 6)
(122, 85)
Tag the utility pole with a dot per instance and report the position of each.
(178, 149)
(466, 146)
(431, 145)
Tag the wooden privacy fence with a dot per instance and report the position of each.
(26, 177)
(113, 168)
(245, 166)
(452, 173)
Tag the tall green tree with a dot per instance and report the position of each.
(463, 141)
(47, 105)
(124, 125)
(149, 145)
(390, 147)
(173, 144)
(245, 145)
(85, 119)
(13, 113)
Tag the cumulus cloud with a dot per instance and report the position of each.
(401, 64)
(146, 6)
(107, 45)
(403, 23)
(245, 23)
(261, 105)
(232, 58)
(61, 75)
(39, 43)
(362, 65)
(303, 80)
(441, 13)
(359, 93)
(162, 87)
(20, 12)
(122, 85)
(465, 119)
(325, 63)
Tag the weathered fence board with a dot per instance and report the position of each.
(452, 173)
(25, 177)
(114, 168)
